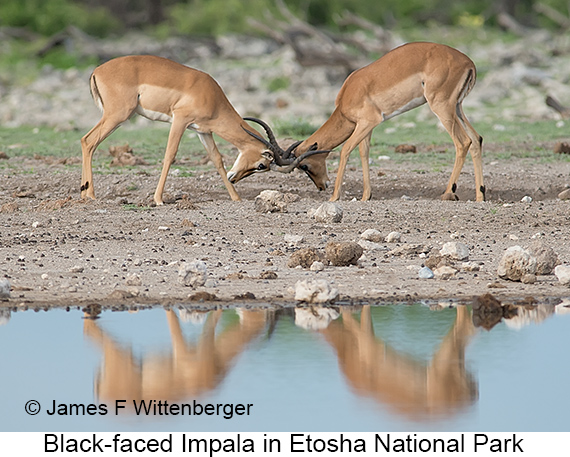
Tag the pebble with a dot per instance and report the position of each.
(562, 272)
(372, 235)
(425, 273)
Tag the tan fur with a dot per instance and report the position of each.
(403, 79)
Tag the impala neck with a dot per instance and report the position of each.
(333, 132)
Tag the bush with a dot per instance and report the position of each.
(51, 16)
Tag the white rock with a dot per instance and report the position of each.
(516, 263)
(444, 272)
(470, 266)
(315, 317)
(317, 266)
(526, 199)
(370, 245)
(372, 235)
(393, 237)
(328, 212)
(4, 288)
(133, 280)
(192, 274)
(425, 273)
(293, 239)
(455, 250)
(562, 272)
(315, 291)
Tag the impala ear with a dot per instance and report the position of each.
(268, 155)
(314, 147)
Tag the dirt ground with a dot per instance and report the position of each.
(57, 250)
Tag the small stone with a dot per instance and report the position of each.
(270, 201)
(455, 250)
(546, 258)
(425, 273)
(528, 278)
(192, 274)
(393, 237)
(370, 245)
(304, 258)
(268, 275)
(343, 254)
(327, 213)
(44, 276)
(515, 263)
(564, 195)
(562, 272)
(293, 239)
(133, 280)
(372, 235)
(445, 272)
(76, 269)
(470, 266)
(526, 199)
(315, 291)
(409, 249)
(317, 266)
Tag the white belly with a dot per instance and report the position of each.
(153, 115)
(413, 103)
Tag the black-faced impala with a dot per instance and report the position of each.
(403, 79)
(162, 90)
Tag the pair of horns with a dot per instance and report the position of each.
(283, 162)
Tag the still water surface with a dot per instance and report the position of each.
(377, 369)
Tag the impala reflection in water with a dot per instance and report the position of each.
(409, 386)
(371, 367)
(189, 370)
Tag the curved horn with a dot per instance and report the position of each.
(288, 168)
(268, 130)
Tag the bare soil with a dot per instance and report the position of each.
(57, 250)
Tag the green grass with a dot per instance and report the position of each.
(531, 141)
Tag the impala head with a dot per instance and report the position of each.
(315, 166)
(273, 158)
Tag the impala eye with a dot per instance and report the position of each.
(304, 167)
(261, 166)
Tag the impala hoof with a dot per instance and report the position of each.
(449, 196)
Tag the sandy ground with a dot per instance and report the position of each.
(57, 250)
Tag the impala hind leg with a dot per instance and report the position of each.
(89, 143)
(461, 140)
(476, 154)
(214, 154)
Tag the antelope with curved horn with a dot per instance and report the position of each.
(403, 79)
(162, 90)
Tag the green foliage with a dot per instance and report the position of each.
(279, 83)
(51, 16)
(297, 128)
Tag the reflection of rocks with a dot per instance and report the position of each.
(529, 315)
(488, 311)
(4, 289)
(5, 315)
(315, 317)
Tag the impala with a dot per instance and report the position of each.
(162, 90)
(403, 79)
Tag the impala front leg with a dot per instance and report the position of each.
(216, 158)
(174, 137)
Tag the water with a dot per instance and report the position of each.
(377, 369)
